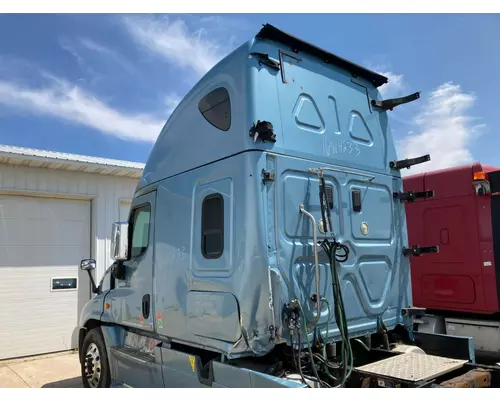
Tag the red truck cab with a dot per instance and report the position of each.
(460, 284)
(462, 275)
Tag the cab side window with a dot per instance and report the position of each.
(140, 230)
(212, 226)
(216, 108)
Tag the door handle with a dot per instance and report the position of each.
(145, 306)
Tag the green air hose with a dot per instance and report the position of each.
(346, 355)
(340, 316)
(327, 370)
(303, 320)
(347, 358)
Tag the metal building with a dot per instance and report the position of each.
(55, 209)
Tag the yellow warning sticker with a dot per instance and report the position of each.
(191, 361)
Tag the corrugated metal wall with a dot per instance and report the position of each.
(107, 192)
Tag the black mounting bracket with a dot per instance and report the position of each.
(264, 59)
(411, 195)
(263, 130)
(418, 251)
(288, 54)
(267, 176)
(413, 312)
(389, 104)
(407, 163)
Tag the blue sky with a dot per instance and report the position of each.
(104, 85)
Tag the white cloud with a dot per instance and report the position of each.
(395, 87)
(174, 41)
(92, 45)
(445, 130)
(64, 101)
(68, 47)
(90, 75)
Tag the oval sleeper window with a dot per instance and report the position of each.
(216, 108)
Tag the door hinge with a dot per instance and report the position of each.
(263, 130)
(267, 176)
(412, 195)
(418, 251)
(407, 163)
(389, 104)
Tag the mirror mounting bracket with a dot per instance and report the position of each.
(118, 271)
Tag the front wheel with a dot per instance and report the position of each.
(94, 363)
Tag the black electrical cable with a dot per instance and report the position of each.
(316, 378)
(323, 201)
(332, 250)
(309, 348)
(339, 309)
(325, 362)
(293, 352)
(315, 371)
(324, 205)
(299, 366)
(300, 358)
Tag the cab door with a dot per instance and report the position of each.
(132, 298)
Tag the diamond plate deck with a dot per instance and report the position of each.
(412, 367)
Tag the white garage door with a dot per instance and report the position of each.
(42, 289)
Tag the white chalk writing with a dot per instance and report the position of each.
(174, 254)
(340, 146)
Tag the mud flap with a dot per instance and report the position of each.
(457, 347)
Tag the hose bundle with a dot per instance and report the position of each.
(331, 249)
(336, 252)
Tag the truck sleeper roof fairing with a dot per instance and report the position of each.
(272, 33)
(182, 133)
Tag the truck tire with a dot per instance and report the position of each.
(94, 363)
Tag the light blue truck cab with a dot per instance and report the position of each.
(264, 246)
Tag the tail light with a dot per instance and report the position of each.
(481, 183)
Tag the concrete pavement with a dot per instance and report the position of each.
(54, 370)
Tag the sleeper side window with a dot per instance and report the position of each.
(212, 226)
(140, 230)
(216, 108)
